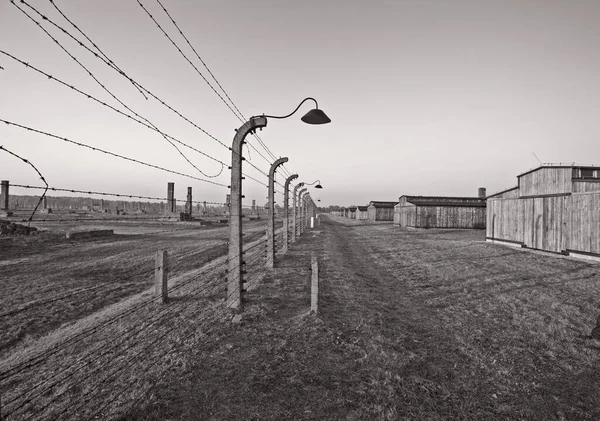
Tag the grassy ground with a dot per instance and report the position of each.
(416, 325)
(48, 280)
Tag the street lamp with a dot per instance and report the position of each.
(235, 257)
(314, 116)
(318, 186)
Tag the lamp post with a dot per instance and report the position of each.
(286, 204)
(295, 210)
(235, 257)
(271, 223)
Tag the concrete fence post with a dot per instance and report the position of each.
(188, 203)
(235, 256)
(301, 210)
(4, 195)
(314, 283)
(295, 212)
(286, 211)
(271, 207)
(161, 269)
(171, 204)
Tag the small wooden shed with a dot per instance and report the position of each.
(440, 212)
(553, 208)
(362, 212)
(381, 211)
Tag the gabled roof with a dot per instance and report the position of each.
(362, 208)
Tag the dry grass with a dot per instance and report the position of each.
(416, 325)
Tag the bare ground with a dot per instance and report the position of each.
(416, 325)
(48, 280)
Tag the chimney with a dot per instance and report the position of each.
(481, 193)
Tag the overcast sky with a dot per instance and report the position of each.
(427, 97)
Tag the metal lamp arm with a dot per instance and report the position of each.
(293, 112)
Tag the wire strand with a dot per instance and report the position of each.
(109, 153)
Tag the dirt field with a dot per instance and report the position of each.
(48, 280)
(415, 325)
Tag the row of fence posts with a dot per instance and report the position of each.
(161, 269)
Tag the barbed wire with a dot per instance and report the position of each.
(113, 66)
(33, 361)
(89, 96)
(95, 78)
(41, 178)
(186, 58)
(199, 58)
(131, 333)
(240, 116)
(109, 153)
(135, 331)
(112, 63)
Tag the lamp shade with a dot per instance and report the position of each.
(318, 186)
(316, 116)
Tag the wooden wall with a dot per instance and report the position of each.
(405, 216)
(450, 217)
(385, 214)
(546, 181)
(380, 213)
(507, 194)
(584, 223)
(554, 224)
(362, 214)
(586, 186)
(440, 216)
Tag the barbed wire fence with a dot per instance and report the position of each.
(121, 340)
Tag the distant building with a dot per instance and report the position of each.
(352, 212)
(553, 208)
(381, 211)
(441, 211)
(362, 212)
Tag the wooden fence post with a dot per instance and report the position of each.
(314, 287)
(161, 269)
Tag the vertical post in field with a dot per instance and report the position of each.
(4, 195)
(188, 203)
(171, 198)
(271, 207)
(301, 209)
(314, 283)
(295, 214)
(161, 269)
(234, 275)
(286, 211)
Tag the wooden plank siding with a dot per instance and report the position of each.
(450, 217)
(381, 211)
(543, 181)
(361, 212)
(586, 186)
(553, 223)
(405, 216)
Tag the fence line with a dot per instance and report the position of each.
(55, 382)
